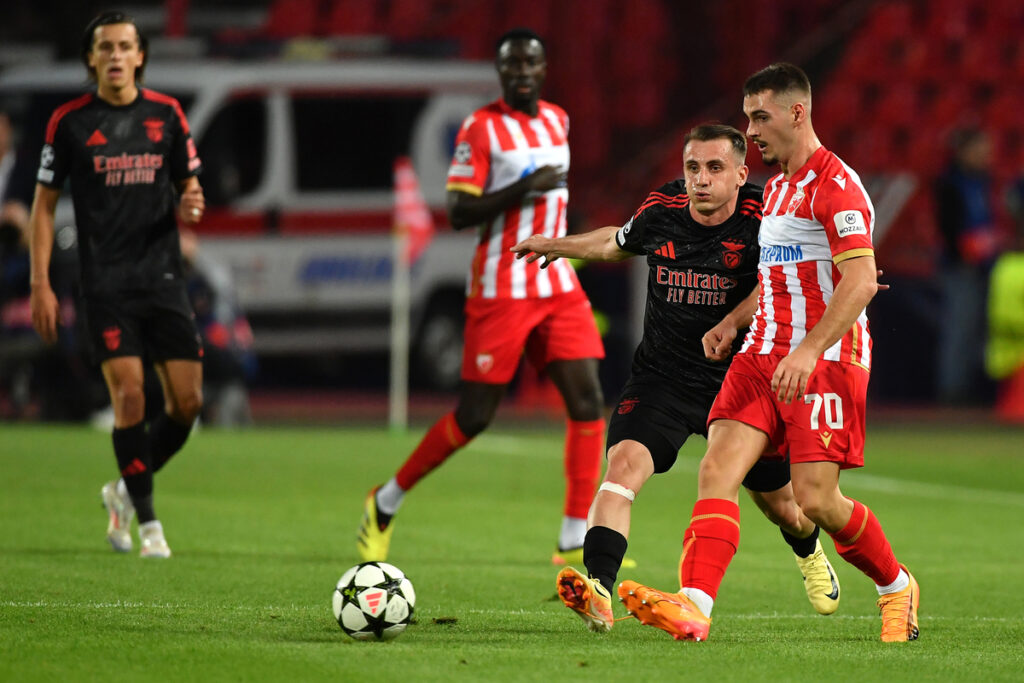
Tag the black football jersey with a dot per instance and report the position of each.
(124, 163)
(698, 274)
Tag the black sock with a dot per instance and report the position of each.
(166, 437)
(803, 547)
(603, 550)
(131, 448)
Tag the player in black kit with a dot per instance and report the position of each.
(133, 167)
(699, 235)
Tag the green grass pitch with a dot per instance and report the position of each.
(262, 524)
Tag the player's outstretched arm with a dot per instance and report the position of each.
(466, 210)
(853, 293)
(596, 245)
(718, 340)
(42, 299)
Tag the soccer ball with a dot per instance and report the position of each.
(374, 601)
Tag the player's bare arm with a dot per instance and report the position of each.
(192, 203)
(853, 293)
(718, 340)
(43, 300)
(596, 245)
(466, 210)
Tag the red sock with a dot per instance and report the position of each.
(709, 544)
(863, 544)
(584, 444)
(443, 439)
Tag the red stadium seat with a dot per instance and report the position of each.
(891, 21)
(292, 18)
(409, 19)
(353, 17)
(840, 105)
(897, 105)
(535, 15)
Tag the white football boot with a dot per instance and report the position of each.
(152, 541)
(120, 512)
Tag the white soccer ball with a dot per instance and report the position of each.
(374, 601)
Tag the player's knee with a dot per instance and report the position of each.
(473, 419)
(186, 406)
(814, 505)
(128, 400)
(783, 513)
(628, 466)
(586, 407)
(718, 475)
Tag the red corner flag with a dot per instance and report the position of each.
(411, 217)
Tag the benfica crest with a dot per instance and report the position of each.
(627, 405)
(112, 338)
(732, 255)
(154, 129)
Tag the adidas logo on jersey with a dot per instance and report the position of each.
(667, 250)
(96, 139)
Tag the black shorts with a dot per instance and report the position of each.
(662, 415)
(156, 324)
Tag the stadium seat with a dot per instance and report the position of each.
(410, 19)
(897, 105)
(536, 15)
(352, 17)
(292, 18)
(890, 21)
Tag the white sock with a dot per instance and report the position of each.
(573, 531)
(901, 582)
(704, 602)
(122, 490)
(389, 497)
(154, 528)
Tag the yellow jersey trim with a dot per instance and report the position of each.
(465, 187)
(852, 253)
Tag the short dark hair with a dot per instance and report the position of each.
(962, 138)
(105, 19)
(519, 33)
(780, 77)
(707, 132)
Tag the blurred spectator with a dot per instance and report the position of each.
(971, 244)
(8, 156)
(33, 375)
(1004, 357)
(228, 359)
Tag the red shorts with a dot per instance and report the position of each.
(827, 425)
(560, 327)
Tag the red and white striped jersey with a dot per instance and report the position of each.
(814, 220)
(495, 147)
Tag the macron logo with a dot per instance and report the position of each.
(840, 181)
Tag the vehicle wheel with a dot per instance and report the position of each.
(437, 354)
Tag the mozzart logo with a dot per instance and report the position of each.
(850, 223)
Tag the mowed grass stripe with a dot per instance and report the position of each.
(492, 612)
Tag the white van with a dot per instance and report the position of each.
(298, 180)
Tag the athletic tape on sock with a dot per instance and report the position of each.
(611, 487)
